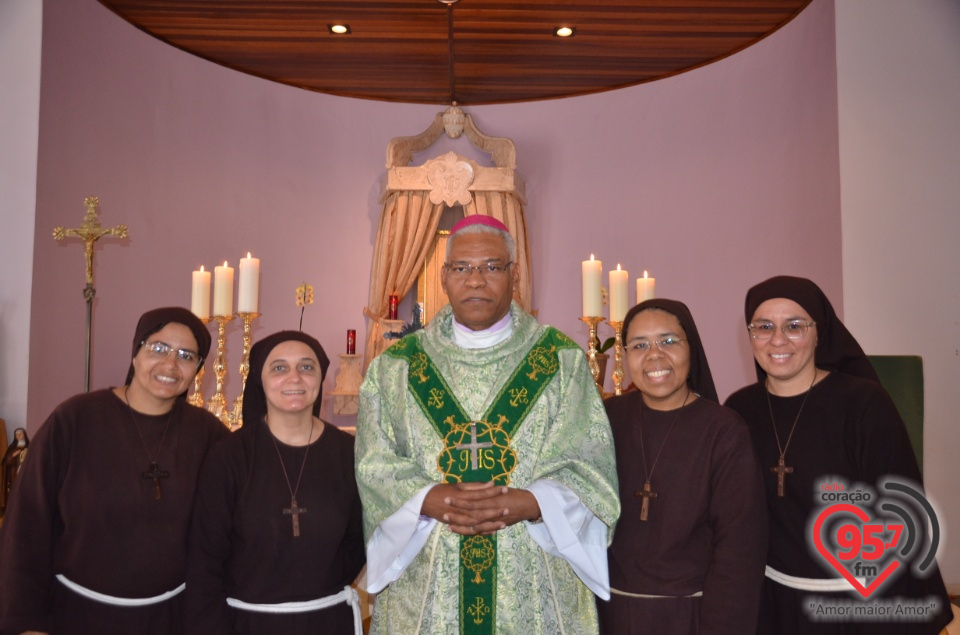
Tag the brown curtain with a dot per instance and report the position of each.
(408, 224)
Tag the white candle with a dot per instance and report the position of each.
(200, 294)
(223, 290)
(619, 279)
(249, 285)
(592, 297)
(645, 288)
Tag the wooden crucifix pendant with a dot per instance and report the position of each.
(647, 493)
(781, 470)
(155, 473)
(294, 512)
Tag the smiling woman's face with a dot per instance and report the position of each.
(660, 375)
(787, 362)
(291, 377)
(162, 378)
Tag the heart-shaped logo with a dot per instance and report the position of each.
(853, 538)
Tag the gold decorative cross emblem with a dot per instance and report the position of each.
(478, 610)
(436, 398)
(519, 396)
(474, 446)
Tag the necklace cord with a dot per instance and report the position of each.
(783, 448)
(293, 490)
(136, 424)
(643, 453)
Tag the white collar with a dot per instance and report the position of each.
(468, 338)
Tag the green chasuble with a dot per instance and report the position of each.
(564, 437)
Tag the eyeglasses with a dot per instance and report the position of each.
(461, 271)
(668, 344)
(793, 330)
(160, 350)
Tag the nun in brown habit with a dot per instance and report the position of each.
(818, 415)
(94, 538)
(277, 529)
(687, 554)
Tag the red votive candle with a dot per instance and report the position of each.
(394, 303)
(351, 342)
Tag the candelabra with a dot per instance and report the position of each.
(592, 322)
(617, 357)
(231, 418)
(218, 402)
(235, 418)
(196, 399)
(593, 357)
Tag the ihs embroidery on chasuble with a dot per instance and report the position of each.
(478, 449)
(543, 360)
(478, 554)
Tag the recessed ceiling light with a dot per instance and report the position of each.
(564, 31)
(339, 29)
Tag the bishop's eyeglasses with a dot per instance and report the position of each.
(792, 330)
(161, 350)
(462, 271)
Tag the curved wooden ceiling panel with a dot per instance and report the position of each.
(471, 52)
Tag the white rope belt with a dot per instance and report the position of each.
(348, 595)
(116, 601)
(811, 584)
(643, 596)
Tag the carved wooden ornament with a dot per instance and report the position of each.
(450, 178)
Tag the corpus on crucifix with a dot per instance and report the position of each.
(155, 474)
(294, 512)
(781, 469)
(647, 493)
(90, 232)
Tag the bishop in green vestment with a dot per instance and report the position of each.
(485, 464)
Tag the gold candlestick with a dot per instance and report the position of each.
(617, 357)
(218, 402)
(235, 418)
(196, 399)
(592, 344)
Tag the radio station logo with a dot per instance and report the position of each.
(871, 538)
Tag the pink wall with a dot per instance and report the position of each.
(21, 22)
(900, 139)
(712, 180)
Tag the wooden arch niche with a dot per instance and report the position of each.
(420, 203)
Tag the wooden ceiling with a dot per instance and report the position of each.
(471, 52)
